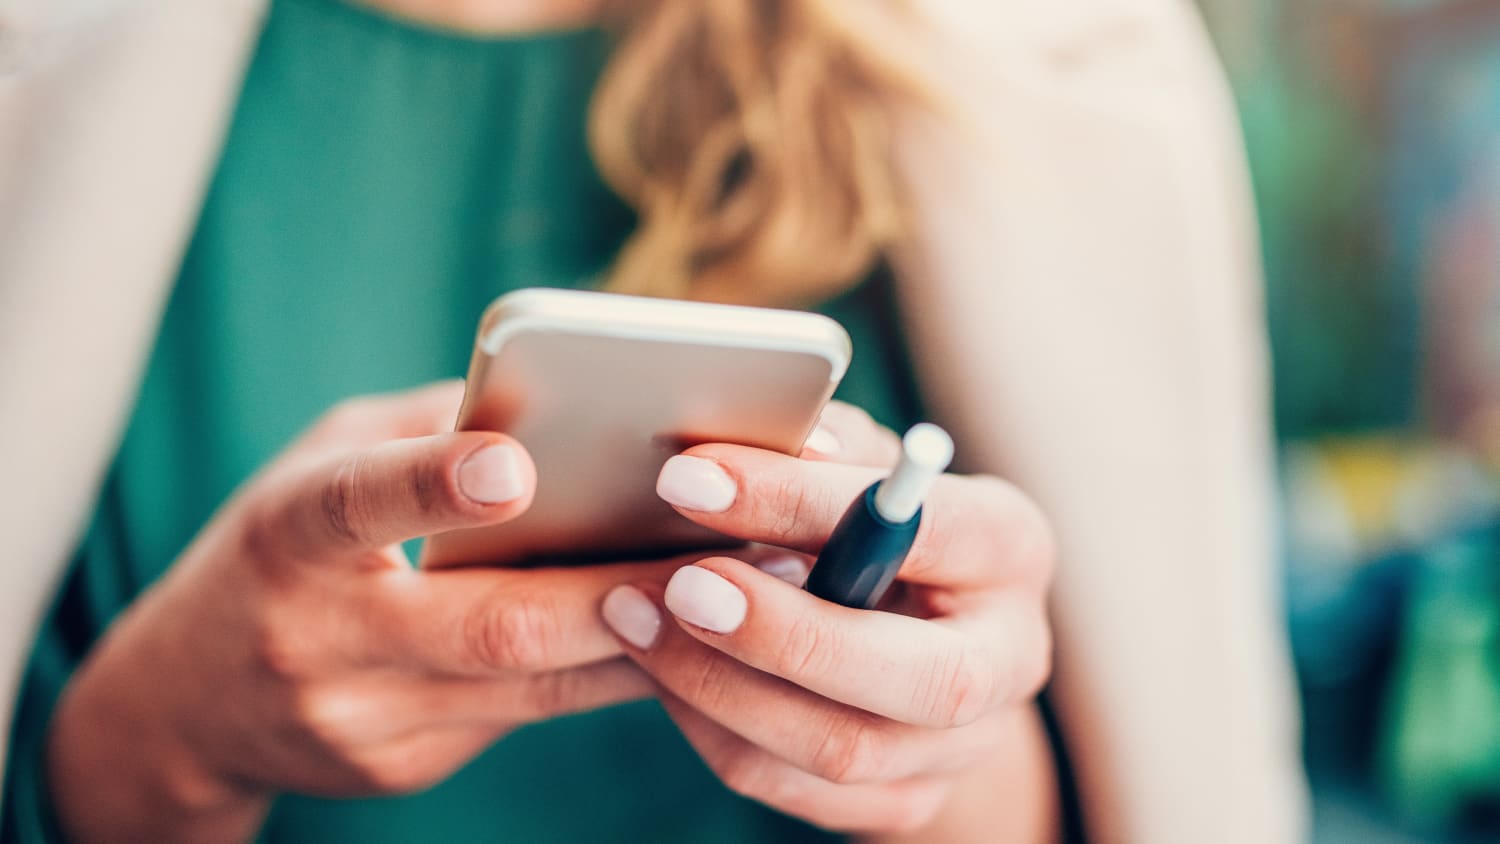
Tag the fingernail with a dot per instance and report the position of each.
(492, 475)
(823, 441)
(631, 614)
(698, 596)
(790, 567)
(693, 483)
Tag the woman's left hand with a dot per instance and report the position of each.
(854, 720)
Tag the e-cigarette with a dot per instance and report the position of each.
(871, 541)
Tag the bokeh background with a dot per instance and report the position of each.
(1373, 129)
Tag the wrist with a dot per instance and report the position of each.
(117, 770)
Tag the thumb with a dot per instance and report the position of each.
(392, 492)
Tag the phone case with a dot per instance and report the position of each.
(602, 388)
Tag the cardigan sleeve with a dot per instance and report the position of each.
(1083, 299)
(101, 102)
(80, 613)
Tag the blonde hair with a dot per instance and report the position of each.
(752, 138)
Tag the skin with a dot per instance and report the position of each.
(872, 722)
(292, 648)
(494, 16)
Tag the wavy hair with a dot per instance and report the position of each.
(752, 138)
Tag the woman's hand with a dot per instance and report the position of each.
(292, 646)
(853, 720)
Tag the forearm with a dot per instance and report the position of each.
(1010, 799)
(116, 771)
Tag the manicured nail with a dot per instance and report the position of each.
(790, 567)
(693, 483)
(698, 596)
(492, 475)
(632, 615)
(823, 442)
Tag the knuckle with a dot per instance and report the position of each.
(850, 753)
(287, 658)
(756, 776)
(994, 498)
(743, 772)
(955, 689)
(914, 811)
(377, 774)
(781, 510)
(806, 650)
(261, 536)
(544, 695)
(551, 694)
(339, 501)
(1035, 539)
(709, 682)
(1034, 665)
(1026, 664)
(997, 522)
(432, 492)
(325, 718)
(786, 790)
(786, 506)
(1026, 535)
(513, 635)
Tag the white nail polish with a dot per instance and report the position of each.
(632, 616)
(823, 442)
(492, 475)
(698, 596)
(693, 483)
(789, 567)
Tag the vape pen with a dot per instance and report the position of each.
(871, 541)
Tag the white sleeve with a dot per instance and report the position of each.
(1090, 324)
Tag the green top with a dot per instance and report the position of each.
(381, 183)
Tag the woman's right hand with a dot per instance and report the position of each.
(292, 647)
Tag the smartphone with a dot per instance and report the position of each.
(602, 388)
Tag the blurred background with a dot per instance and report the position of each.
(1373, 128)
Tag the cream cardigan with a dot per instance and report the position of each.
(1082, 304)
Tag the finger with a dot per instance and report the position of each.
(365, 421)
(496, 622)
(846, 434)
(414, 762)
(372, 710)
(395, 491)
(930, 674)
(527, 698)
(753, 773)
(828, 739)
(974, 531)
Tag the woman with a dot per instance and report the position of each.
(1057, 190)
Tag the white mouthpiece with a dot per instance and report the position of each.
(926, 451)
